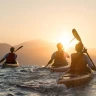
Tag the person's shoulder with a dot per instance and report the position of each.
(73, 54)
(15, 54)
(85, 55)
(7, 53)
(54, 53)
(64, 52)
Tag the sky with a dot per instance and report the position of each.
(24, 20)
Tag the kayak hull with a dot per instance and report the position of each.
(74, 80)
(60, 69)
(10, 65)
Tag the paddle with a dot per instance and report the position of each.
(47, 64)
(71, 40)
(51, 61)
(18, 48)
(76, 35)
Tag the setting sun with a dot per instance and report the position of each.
(65, 40)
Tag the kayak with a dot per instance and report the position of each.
(60, 69)
(74, 79)
(8, 65)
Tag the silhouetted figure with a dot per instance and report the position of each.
(10, 57)
(80, 63)
(59, 57)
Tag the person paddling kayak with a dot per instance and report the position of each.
(10, 57)
(59, 57)
(80, 63)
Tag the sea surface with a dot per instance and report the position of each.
(43, 82)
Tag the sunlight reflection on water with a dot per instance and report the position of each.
(34, 94)
(42, 78)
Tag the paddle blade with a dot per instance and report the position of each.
(76, 35)
(19, 48)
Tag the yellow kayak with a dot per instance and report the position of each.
(60, 69)
(74, 80)
(6, 65)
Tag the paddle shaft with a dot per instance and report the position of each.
(71, 40)
(48, 63)
(18, 48)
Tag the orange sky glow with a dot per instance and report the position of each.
(50, 20)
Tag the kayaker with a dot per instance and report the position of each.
(59, 57)
(80, 63)
(10, 57)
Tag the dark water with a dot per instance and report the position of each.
(42, 82)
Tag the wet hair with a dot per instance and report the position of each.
(12, 49)
(59, 46)
(79, 47)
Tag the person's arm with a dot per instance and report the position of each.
(71, 66)
(90, 64)
(51, 60)
(15, 56)
(3, 58)
(66, 55)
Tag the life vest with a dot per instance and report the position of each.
(60, 59)
(78, 63)
(10, 58)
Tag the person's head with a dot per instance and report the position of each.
(79, 47)
(12, 49)
(59, 46)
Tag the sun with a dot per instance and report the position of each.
(65, 40)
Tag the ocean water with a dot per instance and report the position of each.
(41, 82)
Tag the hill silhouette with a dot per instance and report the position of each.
(34, 52)
(37, 52)
(4, 48)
